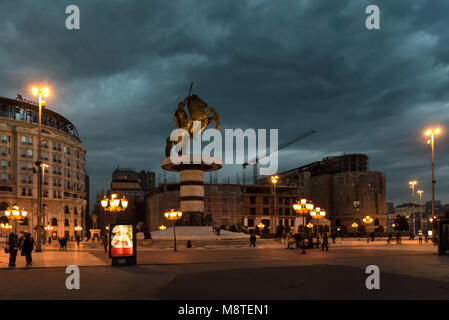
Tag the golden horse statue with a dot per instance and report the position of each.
(198, 111)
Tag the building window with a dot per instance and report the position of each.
(252, 211)
(266, 200)
(4, 138)
(24, 140)
(24, 191)
(66, 223)
(66, 210)
(30, 192)
(266, 212)
(250, 222)
(287, 201)
(4, 165)
(252, 200)
(287, 211)
(4, 152)
(356, 204)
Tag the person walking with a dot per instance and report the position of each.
(252, 240)
(13, 243)
(27, 249)
(334, 237)
(420, 239)
(105, 242)
(298, 239)
(398, 237)
(390, 236)
(325, 242)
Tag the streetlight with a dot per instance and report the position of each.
(303, 207)
(420, 192)
(16, 214)
(354, 226)
(6, 227)
(431, 133)
(368, 220)
(261, 226)
(162, 227)
(173, 216)
(317, 214)
(274, 181)
(412, 186)
(41, 92)
(114, 204)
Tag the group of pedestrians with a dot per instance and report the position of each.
(25, 244)
(297, 239)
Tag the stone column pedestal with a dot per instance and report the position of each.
(192, 187)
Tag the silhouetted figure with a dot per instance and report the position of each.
(27, 248)
(105, 242)
(324, 242)
(13, 244)
(298, 239)
(390, 236)
(189, 244)
(398, 237)
(252, 240)
(334, 237)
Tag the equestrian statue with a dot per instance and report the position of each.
(198, 111)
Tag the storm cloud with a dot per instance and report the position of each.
(293, 65)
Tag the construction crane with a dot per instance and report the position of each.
(256, 159)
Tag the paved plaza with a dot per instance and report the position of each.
(269, 271)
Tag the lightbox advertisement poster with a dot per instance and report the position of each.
(122, 241)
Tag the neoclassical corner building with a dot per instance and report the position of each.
(64, 182)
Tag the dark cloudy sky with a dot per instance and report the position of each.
(293, 65)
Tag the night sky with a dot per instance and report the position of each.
(292, 65)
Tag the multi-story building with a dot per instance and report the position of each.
(412, 213)
(244, 206)
(135, 186)
(64, 180)
(343, 186)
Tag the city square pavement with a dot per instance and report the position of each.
(407, 271)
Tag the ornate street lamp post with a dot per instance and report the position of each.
(260, 226)
(114, 204)
(6, 227)
(173, 216)
(317, 214)
(16, 214)
(354, 227)
(303, 207)
(367, 220)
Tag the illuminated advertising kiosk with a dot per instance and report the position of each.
(122, 244)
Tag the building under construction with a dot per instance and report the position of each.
(343, 186)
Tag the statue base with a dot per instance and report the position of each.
(191, 193)
(95, 232)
